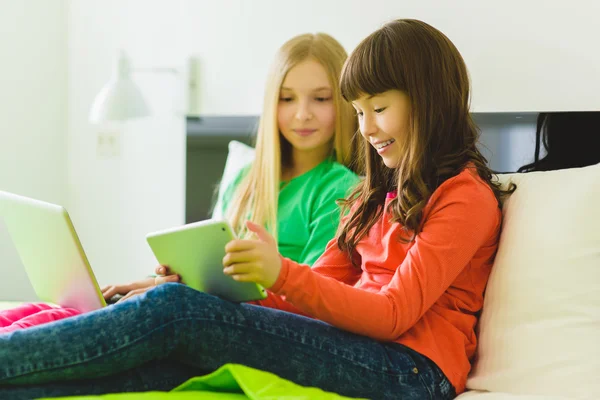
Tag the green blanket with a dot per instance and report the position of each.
(230, 382)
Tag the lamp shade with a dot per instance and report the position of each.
(120, 99)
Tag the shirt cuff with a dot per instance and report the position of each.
(283, 274)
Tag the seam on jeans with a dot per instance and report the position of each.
(406, 358)
(446, 388)
(421, 364)
(426, 386)
(353, 362)
(83, 360)
(114, 350)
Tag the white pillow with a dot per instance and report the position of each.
(477, 395)
(540, 326)
(240, 155)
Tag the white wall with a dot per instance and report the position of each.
(114, 202)
(33, 113)
(523, 56)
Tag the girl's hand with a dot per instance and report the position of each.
(253, 260)
(164, 275)
(138, 287)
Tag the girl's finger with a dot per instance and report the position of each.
(110, 292)
(131, 294)
(261, 232)
(243, 268)
(161, 270)
(239, 257)
(240, 245)
(245, 277)
(159, 280)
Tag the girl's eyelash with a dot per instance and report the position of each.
(377, 111)
(319, 99)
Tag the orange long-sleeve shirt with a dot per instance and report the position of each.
(425, 294)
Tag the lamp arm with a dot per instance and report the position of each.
(188, 78)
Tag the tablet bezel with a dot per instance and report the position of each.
(195, 252)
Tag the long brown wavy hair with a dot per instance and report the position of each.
(413, 57)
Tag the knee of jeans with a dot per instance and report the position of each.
(182, 297)
(170, 289)
(177, 292)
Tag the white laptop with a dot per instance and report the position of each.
(51, 253)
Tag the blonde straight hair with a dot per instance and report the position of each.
(257, 195)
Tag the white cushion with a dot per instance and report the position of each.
(540, 326)
(477, 395)
(239, 156)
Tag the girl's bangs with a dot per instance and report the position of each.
(367, 71)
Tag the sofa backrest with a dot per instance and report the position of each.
(540, 325)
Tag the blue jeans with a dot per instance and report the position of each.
(172, 333)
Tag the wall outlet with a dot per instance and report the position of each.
(108, 144)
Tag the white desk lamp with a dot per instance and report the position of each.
(121, 99)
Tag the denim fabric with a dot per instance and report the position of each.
(162, 338)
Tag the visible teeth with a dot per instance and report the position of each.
(383, 144)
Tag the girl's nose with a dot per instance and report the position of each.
(303, 113)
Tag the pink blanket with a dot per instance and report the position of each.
(31, 314)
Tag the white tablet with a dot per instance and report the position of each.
(195, 252)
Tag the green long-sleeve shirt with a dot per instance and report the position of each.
(307, 213)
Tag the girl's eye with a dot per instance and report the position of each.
(359, 114)
(322, 99)
(286, 99)
(379, 110)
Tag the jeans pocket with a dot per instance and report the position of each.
(399, 362)
(433, 377)
(416, 369)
